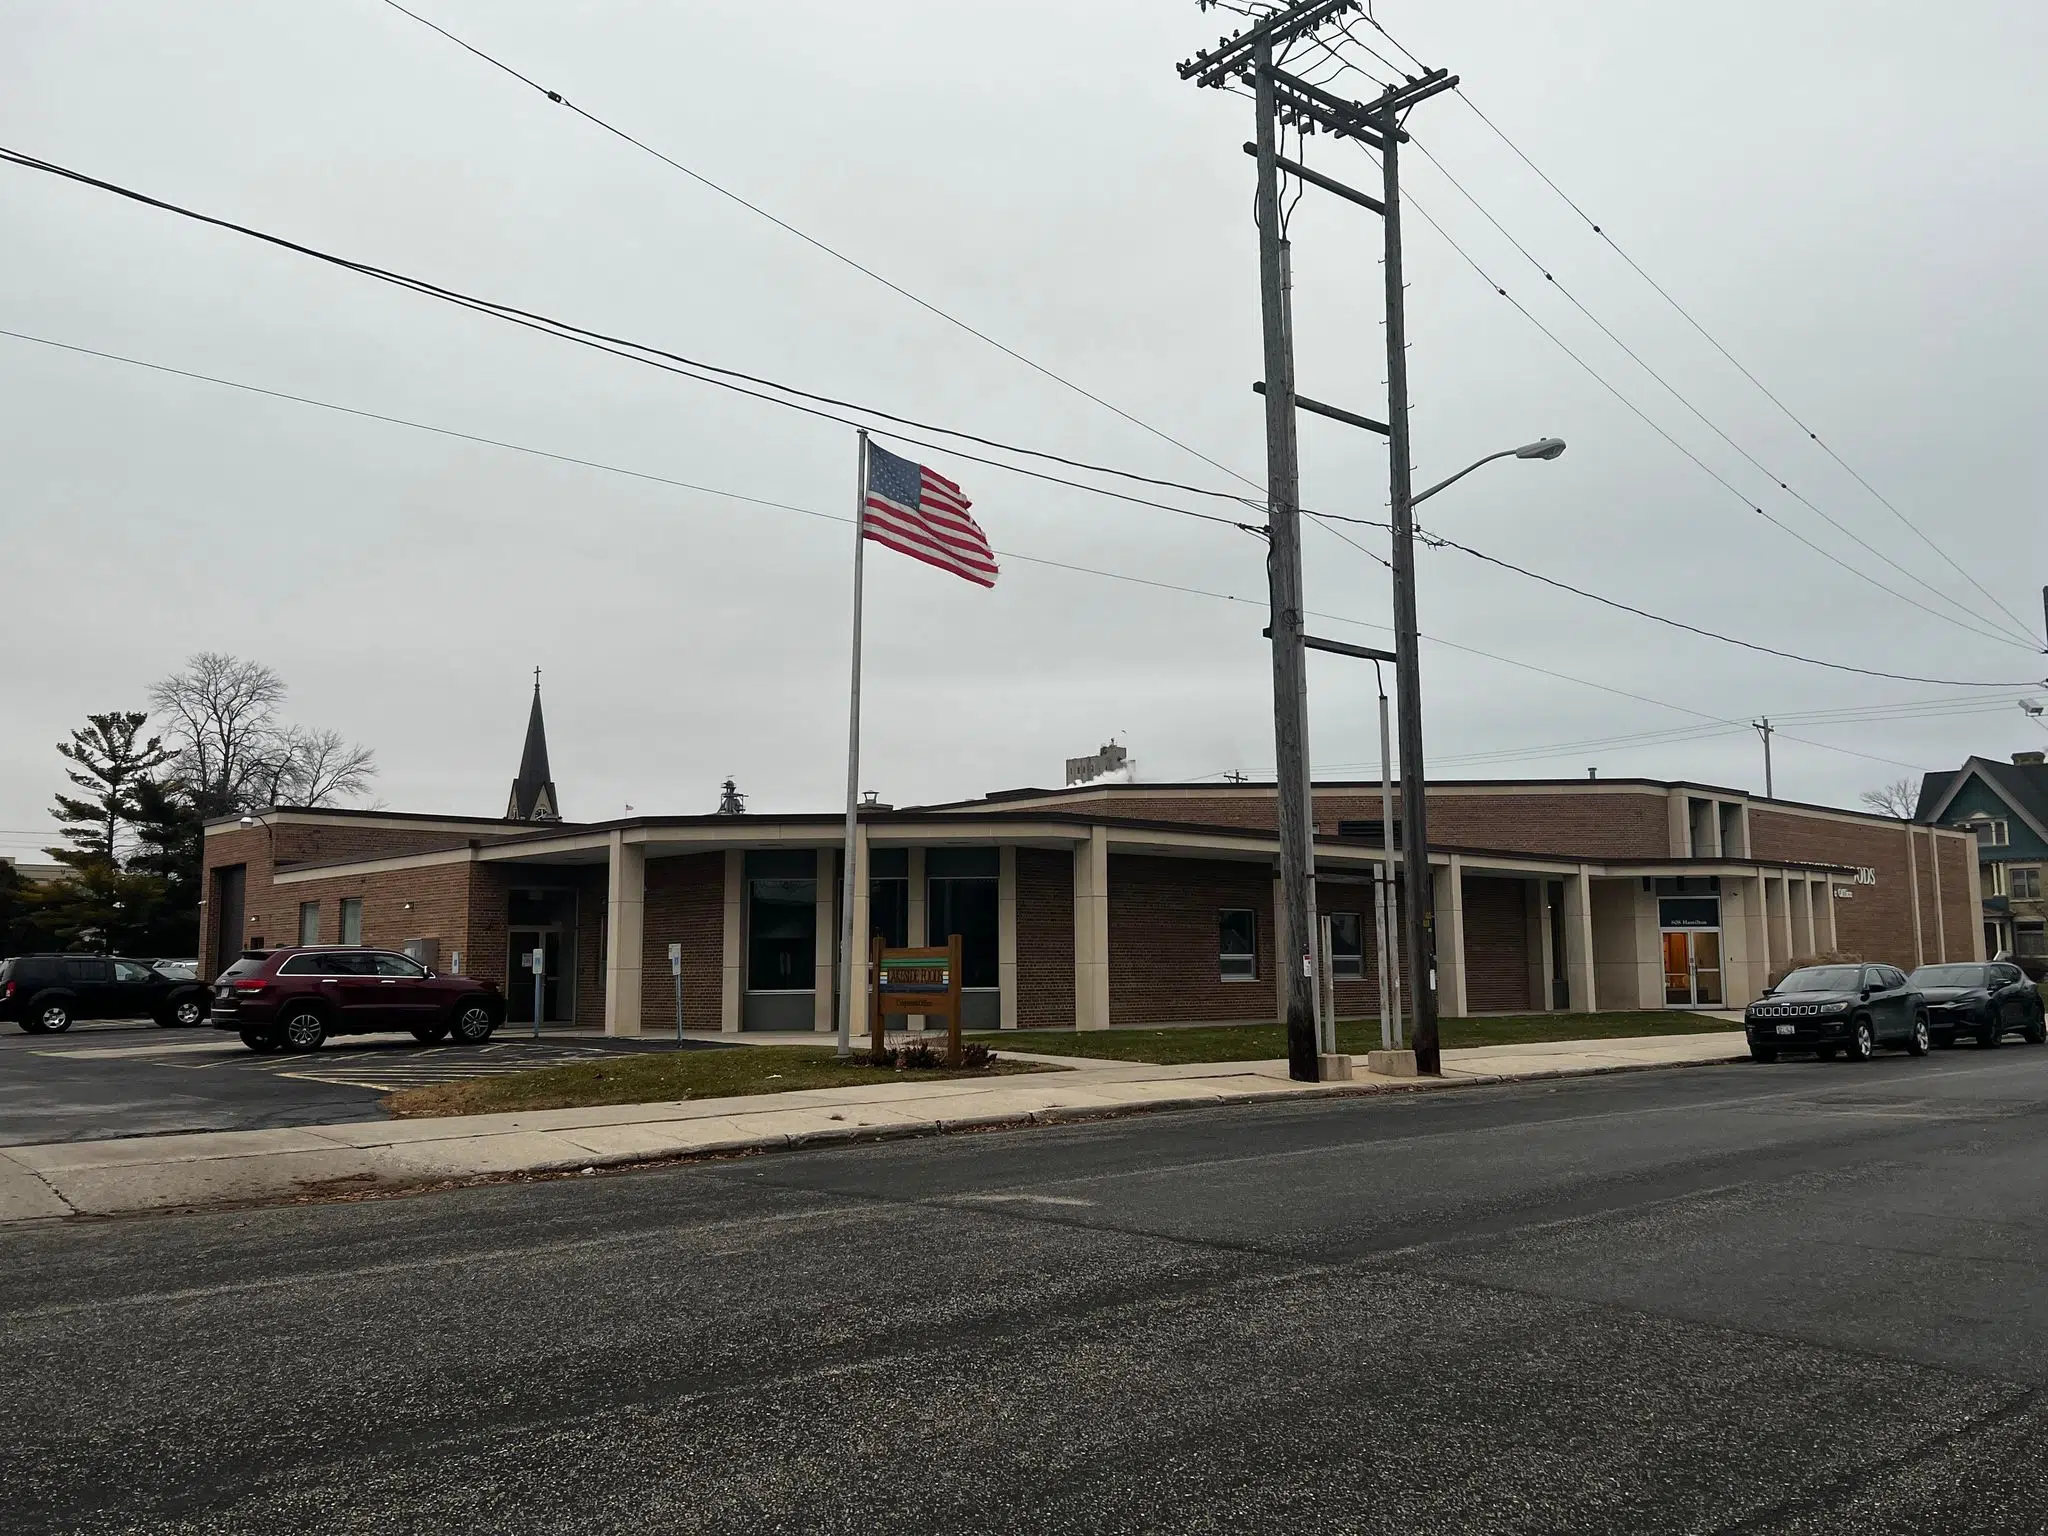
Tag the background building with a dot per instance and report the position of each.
(2005, 806)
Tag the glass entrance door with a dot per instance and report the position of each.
(1692, 968)
(519, 987)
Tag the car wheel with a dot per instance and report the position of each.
(474, 1023)
(1763, 1053)
(1991, 1036)
(188, 1013)
(52, 1018)
(1920, 1041)
(432, 1035)
(1862, 1041)
(2037, 1032)
(262, 1042)
(303, 1030)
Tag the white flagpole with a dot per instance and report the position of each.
(860, 515)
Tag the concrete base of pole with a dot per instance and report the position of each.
(1391, 1063)
(1333, 1069)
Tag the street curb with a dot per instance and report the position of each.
(380, 1188)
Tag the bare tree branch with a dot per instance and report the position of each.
(1897, 798)
(234, 753)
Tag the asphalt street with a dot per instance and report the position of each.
(99, 1081)
(1806, 1297)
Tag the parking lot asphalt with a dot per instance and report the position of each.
(104, 1080)
(1804, 1298)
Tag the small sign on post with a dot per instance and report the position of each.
(538, 962)
(917, 981)
(675, 968)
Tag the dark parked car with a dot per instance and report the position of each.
(293, 999)
(1986, 1002)
(1838, 1009)
(44, 993)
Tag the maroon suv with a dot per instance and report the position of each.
(293, 999)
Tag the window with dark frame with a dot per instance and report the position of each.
(1237, 944)
(309, 922)
(1347, 944)
(351, 919)
(2026, 882)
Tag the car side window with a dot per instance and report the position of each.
(340, 965)
(398, 965)
(128, 971)
(1894, 978)
(85, 970)
(303, 965)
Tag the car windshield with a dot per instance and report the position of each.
(1823, 978)
(1948, 976)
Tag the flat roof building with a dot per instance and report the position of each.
(1106, 904)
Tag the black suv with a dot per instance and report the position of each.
(44, 993)
(1986, 1002)
(1837, 1009)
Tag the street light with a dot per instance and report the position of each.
(1542, 448)
(1419, 940)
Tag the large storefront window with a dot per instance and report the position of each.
(782, 922)
(960, 897)
(889, 896)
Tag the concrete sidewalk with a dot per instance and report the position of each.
(158, 1173)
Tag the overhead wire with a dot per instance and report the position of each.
(670, 362)
(2024, 639)
(869, 272)
(1599, 229)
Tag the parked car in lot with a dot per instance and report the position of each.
(1987, 1002)
(45, 993)
(1837, 1010)
(293, 999)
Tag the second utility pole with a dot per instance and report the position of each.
(1296, 806)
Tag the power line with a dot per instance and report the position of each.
(2025, 640)
(837, 255)
(1698, 462)
(1715, 343)
(1440, 541)
(657, 357)
(616, 469)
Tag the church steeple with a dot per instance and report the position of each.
(533, 792)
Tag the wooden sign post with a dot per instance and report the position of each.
(917, 981)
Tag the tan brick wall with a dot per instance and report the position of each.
(686, 904)
(1964, 918)
(1045, 939)
(1162, 940)
(1874, 921)
(1496, 946)
(1604, 824)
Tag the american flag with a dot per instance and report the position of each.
(923, 515)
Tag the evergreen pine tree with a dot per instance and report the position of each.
(107, 763)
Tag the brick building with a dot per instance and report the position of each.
(1106, 904)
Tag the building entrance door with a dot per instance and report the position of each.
(553, 985)
(1692, 968)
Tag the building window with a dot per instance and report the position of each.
(1347, 944)
(889, 896)
(309, 922)
(2026, 882)
(1237, 943)
(2030, 940)
(351, 919)
(1992, 831)
(961, 897)
(782, 934)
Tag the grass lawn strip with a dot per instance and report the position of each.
(662, 1078)
(1265, 1042)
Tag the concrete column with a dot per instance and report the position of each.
(823, 1018)
(1578, 942)
(1804, 939)
(1940, 920)
(1282, 948)
(732, 981)
(1740, 983)
(625, 934)
(1678, 819)
(863, 937)
(917, 938)
(1834, 943)
(1778, 913)
(1536, 936)
(1091, 931)
(1006, 936)
(1449, 881)
(1913, 890)
(1976, 904)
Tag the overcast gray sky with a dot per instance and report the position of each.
(1849, 196)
